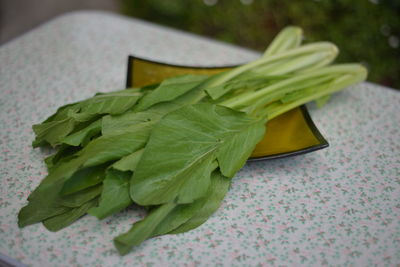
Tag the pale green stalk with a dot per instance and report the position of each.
(287, 84)
(282, 93)
(358, 74)
(293, 53)
(289, 38)
(301, 63)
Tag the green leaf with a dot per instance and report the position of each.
(175, 165)
(83, 179)
(112, 125)
(63, 220)
(114, 147)
(128, 163)
(62, 112)
(161, 220)
(83, 136)
(170, 89)
(218, 188)
(45, 200)
(63, 154)
(143, 229)
(43, 203)
(115, 195)
(185, 216)
(111, 103)
(69, 118)
(52, 132)
(55, 133)
(178, 216)
(77, 199)
(111, 147)
(172, 218)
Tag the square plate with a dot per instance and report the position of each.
(289, 134)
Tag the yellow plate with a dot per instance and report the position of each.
(289, 134)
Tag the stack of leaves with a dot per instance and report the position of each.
(173, 147)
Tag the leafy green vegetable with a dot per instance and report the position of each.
(63, 220)
(202, 133)
(115, 195)
(111, 103)
(83, 179)
(130, 162)
(173, 147)
(170, 89)
(44, 201)
(173, 218)
(82, 114)
(53, 132)
(64, 153)
(79, 198)
(143, 229)
(218, 188)
(83, 136)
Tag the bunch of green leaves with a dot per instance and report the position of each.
(173, 147)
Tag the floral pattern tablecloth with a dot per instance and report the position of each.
(337, 206)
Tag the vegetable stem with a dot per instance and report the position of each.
(291, 84)
(360, 74)
(305, 49)
(287, 39)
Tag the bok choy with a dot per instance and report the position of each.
(173, 147)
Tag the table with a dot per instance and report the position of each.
(337, 206)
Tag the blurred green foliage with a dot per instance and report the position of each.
(366, 31)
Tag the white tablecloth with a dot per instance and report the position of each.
(337, 206)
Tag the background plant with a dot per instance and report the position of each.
(366, 31)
